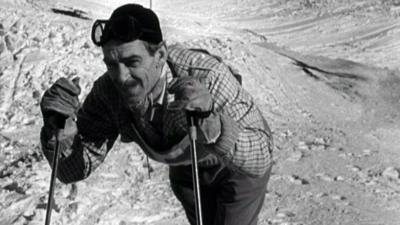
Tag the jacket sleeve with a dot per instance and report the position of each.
(86, 142)
(242, 137)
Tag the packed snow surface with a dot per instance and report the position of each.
(325, 74)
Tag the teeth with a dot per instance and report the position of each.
(170, 98)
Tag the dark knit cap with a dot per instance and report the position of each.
(123, 17)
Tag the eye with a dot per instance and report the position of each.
(133, 63)
(110, 66)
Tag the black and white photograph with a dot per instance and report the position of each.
(200, 112)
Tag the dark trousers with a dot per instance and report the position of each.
(227, 197)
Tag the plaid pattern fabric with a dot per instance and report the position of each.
(244, 142)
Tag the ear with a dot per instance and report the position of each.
(162, 53)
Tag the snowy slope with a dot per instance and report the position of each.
(325, 74)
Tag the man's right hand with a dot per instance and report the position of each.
(60, 101)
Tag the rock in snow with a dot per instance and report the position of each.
(391, 173)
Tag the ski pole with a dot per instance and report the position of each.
(192, 122)
(60, 122)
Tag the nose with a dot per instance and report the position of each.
(120, 74)
(123, 71)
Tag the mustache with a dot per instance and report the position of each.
(131, 82)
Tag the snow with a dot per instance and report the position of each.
(324, 73)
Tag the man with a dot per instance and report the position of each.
(144, 97)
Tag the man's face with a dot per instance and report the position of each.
(133, 71)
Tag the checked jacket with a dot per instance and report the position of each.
(244, 142)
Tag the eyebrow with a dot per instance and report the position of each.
(125, 59)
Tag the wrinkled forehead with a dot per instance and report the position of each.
(114, 50)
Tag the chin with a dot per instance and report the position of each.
(138, 107)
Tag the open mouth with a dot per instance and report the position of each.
(132, 92)
(132, 87)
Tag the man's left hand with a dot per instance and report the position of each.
(191, 95)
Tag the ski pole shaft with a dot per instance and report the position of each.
(195, 170)
(53, 180)
(60, 122)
